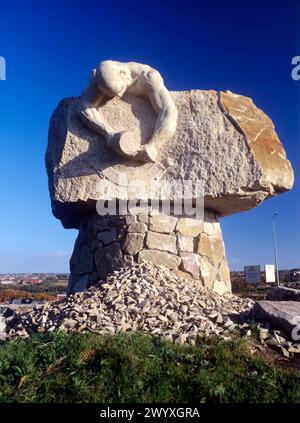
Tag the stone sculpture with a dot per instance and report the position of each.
(110, 79)
(218, 138)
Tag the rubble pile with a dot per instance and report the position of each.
(144, 297)
(154, 300)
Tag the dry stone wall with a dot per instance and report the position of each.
(106, 243)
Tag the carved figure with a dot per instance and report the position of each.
(110, 79)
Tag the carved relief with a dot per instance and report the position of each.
(111, 79)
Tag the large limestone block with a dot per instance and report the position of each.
(222, 139)
(283, 315)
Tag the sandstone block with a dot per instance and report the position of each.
(137, 227)
(224, 273)
(207, 273)
(218, 249)
(164, 242)
(160, 258)
(144, 218)
(190, 263)
(162, 223)
(205, 247)
(189, 226)
(185, 243)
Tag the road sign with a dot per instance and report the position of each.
(270, 273)
(252, 274)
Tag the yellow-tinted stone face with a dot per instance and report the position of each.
(262, 139)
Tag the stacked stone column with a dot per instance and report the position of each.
(106, 243)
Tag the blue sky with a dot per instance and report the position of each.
(50, 48)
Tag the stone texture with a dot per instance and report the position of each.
(205, 245)
(218, 250)
(202, 256)
(163, 223)
(130, 219)
(107, 237)
(220, 287)
(153, 300)
(189, 226)
(222, 139)
(207, 273)
(144, 218)
(224, 273)
(133, 243)
(107, 259)
(160, 258)
(85, 263)
(164, 242)
(185, 243)
(262, 139)
(137, 227)
(81, 283)
(144, 298)
(283, 315)
(190, 263)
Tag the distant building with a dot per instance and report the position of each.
(30, 281)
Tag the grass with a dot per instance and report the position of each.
(138, 368)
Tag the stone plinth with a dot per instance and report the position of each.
(106, 243)
(222, 140)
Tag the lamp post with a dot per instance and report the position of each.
(275, 247)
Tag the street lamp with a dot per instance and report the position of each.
(275, 247)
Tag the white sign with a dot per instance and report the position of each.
(270, 273)
(252, 274)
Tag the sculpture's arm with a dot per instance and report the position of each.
(90, 100)
(164, 106)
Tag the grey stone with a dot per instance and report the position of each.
(222, 139)
(107, 237)
(284, 315)
(80, 283)
(108, 259)
(133, 243)
(145, 298)
(86, 261)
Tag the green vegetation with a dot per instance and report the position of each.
(138, 368)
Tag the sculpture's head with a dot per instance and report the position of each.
(113, 78)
